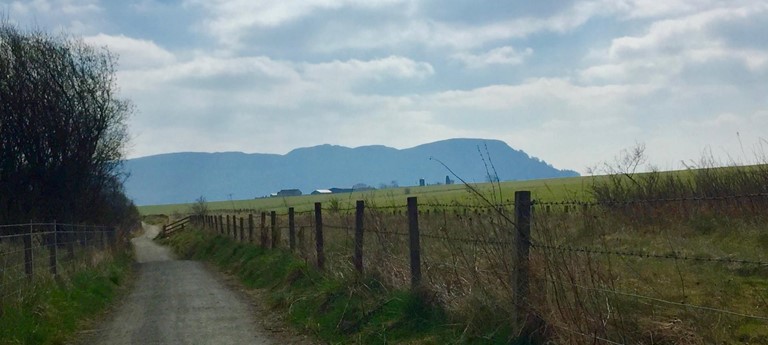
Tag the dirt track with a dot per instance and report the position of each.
(178, 302)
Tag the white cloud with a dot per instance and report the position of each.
(219, 104)
(243, 73)
(459, 36)
(270, 76)
(544, 91)
(67, 7)
(728, 137)
(396, 67)
(655, 8)
(232, 18)
(669, 46)
(133, 53)
(498, 56)
(71, 16)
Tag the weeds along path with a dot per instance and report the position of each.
(178, 302)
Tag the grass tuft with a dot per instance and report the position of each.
(53, 310)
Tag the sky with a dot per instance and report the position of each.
(571, 82)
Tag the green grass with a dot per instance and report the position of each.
(464, 278)
(50, 312)
(625, 298)
(546, 189)
(349, 310)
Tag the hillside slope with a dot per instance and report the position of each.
(183, 177)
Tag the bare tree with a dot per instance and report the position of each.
(62, 129)
(200, 207)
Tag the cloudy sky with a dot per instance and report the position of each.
(571, 82)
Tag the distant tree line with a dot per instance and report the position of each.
(62, 131)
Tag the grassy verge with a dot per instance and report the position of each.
(336, 310)
(52, 311)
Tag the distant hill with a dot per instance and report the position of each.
(185, 176)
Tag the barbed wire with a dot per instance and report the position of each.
(674, 255)
(591, 336)
(660, 300)
(646, 201)
(338, 227)
(338, 209)
(39, 235)
(507, 203)
(385, 232)
(470, 206)
(53, 224)
(465, 239)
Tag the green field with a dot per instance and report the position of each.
(659, 258)
(572, 188)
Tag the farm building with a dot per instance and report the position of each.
(322, 191)
(340, 190)
(289, 192)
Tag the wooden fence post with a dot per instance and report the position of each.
(84, 233)
(415, 247)
(221, 224)
(319, 236)
(302, 243)
(111, 238)
(229, 226)
(250, 228)
(521, 265)
(71, 238)
(263, 229)
(28, 253)
(242, 229)
(359, 213)
(52, 243)
(291, 229)
(273, 227)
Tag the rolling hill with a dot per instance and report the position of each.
(185, 176)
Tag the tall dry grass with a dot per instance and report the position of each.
(663, 258)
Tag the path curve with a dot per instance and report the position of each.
(178, 302)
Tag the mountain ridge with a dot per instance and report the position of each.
(184, 176)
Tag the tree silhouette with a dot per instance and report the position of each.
(62, 130)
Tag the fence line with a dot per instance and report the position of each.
(514, 244)
(675, 255)
(39, 251)
(651, 201)
(660, 300)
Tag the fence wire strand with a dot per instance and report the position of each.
(674, 256)
(388, 220)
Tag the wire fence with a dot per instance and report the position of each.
(680, 270)
(34, 253)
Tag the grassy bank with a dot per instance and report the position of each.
(335, 309)
(51, 311)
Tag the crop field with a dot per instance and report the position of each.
(548, 189)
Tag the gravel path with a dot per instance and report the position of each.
(178, 302)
